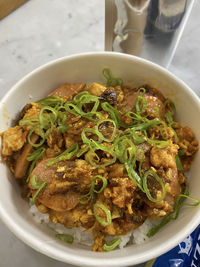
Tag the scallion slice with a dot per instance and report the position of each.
(176, 209)
(104, 183)
(52, 101)
(112, 244)
(140, 104)
(39, 185)
(65, 238)
(34, 157)
(99, 205)
(110, 79)
(104, 121)
(66, 155)
(178, 163)
(146, 188)
(87, 197)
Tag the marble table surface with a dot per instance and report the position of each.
(40, 31)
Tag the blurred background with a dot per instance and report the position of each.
(40, 31)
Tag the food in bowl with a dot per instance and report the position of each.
(105, 157)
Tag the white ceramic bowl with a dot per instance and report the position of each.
(88, 68)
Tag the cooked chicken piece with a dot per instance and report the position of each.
(55, 139)
(13, 140)
(187, 141)
(33, 111)
(96, 89)
(122, 192)
(164, 156)
(81, 216)
(68, 90)
(79, 125)
(116, 170)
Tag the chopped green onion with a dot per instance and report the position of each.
(178, 159)
(196, 201)
(174, 214)
(52, 101)
(39, 185)
(29, 122)
(101, 135)
(42, 135)
(77, 104)
(137, 118)
(137, 138)
(141, 90)
(133, 175)
(34, 157)
(62, 127)
(99, 205)
(140, 104)
(37, 154)
(65, 238)
(157, 143)
(142, 157)
(112, 244)
(77, 97)
(168, 118)
(125, 149)
(47, 119)
(89, 195)
(163, 130)
(181, 152)
(84, 199)
(82, 151)
(110, 80)
(114, 113)
(66, 155)
(156, 228)
(146, 189)
(146, 125)
(169, 105)
(94, 146)
(104, 181)
(92, 131)
(178, 163)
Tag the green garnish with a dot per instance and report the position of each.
(106, 121)
(111, 80)
(87, 197)
(69, 153)
(39, 185)
(52, 101)
(99, 205)
(141, 102)
(83, 101)
(179, 203)
(34, 157)
(65, 238)
(112, 244)
(146, 187)
(178, 163)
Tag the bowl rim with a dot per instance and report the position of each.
(67, 257)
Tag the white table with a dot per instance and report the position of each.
(40, 31)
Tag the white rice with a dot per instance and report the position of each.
(136, 236)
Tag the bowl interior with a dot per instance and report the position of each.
(88, 68)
